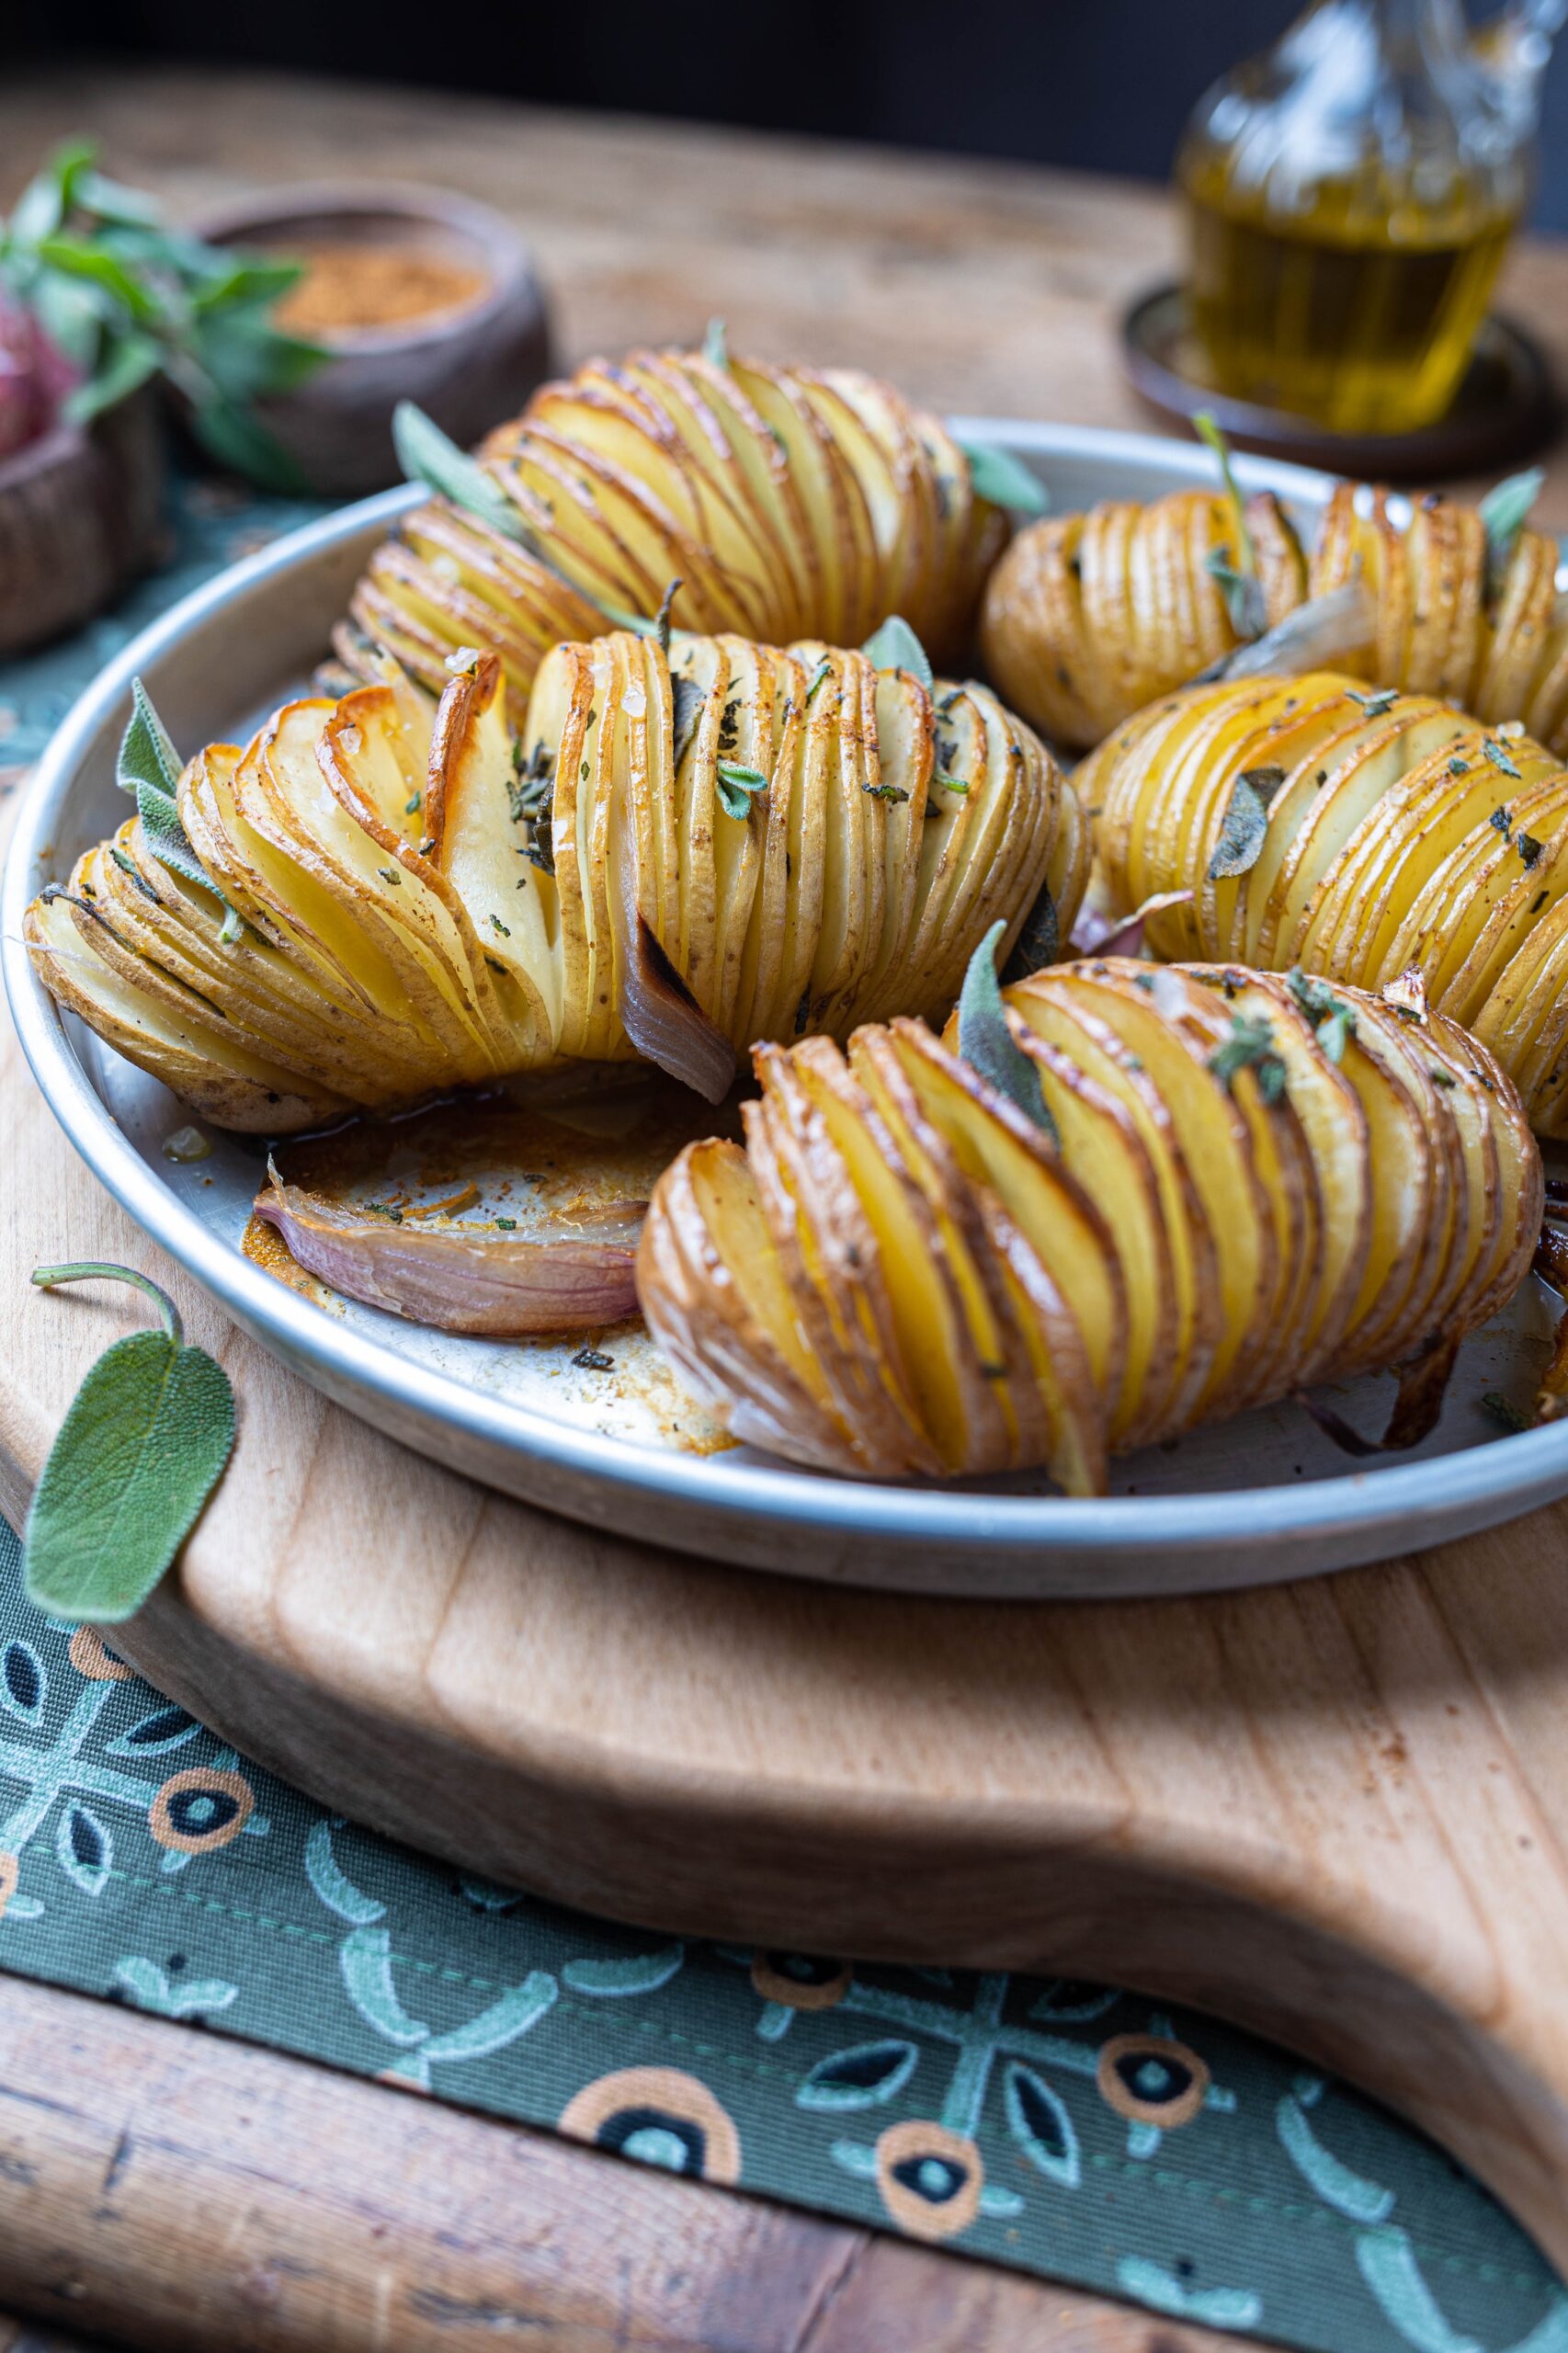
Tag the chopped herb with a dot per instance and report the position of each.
(508, 1224)
(804, 1011)
(533, 785)
(128, 865)
(884, 791)
(497, 925)
(1144, 981)
(1538, 902)
(593, 1360)
(987, 1043)
(389, 874)
(1459, 768)
(1442, 1077)
(412, 806)
(1503, 822)
(1529, 849)
(1502, 1409)
(1330, 1017)
(1250, 1046)
(737, 787)
(1498, 756)
(1376, 705)
(824, 670)
(584, 774)
(946, 783)
(428, 845)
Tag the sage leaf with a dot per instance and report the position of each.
(1208, 432)
(1243, 593)
(1250, 1046)
(895, 646)
(716, 343)
(1332, 1018)
(988, 1045)
(1004, 479)
(1038, 942)
(687, 699)
(737, 786)
(148, 767)
(1503, 513)
(142, 1448)
(432, 457)
(1246, 823)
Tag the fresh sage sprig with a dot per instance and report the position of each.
(1004, 479)
(148, 768)
(142, 1448)
(1504, 512)
(895, 646)
(989, 1046)
(125, 298)
(1237, 580)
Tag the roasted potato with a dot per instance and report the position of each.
(1087, 617)
(1360, 835)
(727, 843)
(1232, 1186)
(788, 502)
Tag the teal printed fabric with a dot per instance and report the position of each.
(1063, 2128)
(1066, 2129)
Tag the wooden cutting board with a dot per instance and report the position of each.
(1334, 1812)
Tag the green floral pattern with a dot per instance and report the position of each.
(1065, 2128)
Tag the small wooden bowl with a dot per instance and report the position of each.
(467, 368)
(81, 513)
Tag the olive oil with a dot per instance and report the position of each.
(1360, 316)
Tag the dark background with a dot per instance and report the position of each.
(1105, 84)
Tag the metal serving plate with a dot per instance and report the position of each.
(1250, 1502)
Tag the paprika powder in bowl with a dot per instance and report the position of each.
(417, 294)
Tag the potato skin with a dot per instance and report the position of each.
(809, 841)
(788, 502)
(1087, 617)
(1399, 834)
(902, 1273)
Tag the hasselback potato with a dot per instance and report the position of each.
(1360, 835)
(1229, 1186)
(1086, 618)
(788, 502)
(678, 854)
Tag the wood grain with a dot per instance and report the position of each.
(1332, 1811)
(180, 2192)
(1335, 1814)
(978, 285)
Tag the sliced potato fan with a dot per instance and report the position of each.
(676, 855)
(1089, 616)
(1229, 1186)
(1362, 835)
(788, 502)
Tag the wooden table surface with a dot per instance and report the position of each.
(349, 2218)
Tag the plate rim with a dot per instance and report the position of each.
(1521, 1468)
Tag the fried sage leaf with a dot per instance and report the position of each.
(986, 1042)
(1250, 1046)
(142, 1448)
(1037, 943)
(895, 646)
(1004, 479)
(1240, 845)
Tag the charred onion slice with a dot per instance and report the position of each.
(493, 1285)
